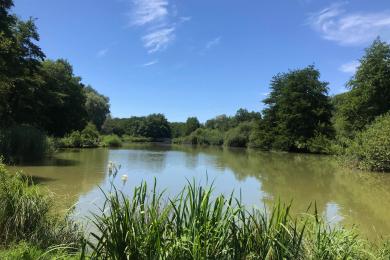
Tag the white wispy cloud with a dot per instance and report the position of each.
(160, 19)
(149, 11)
(158, 40)
(101, 53)
(349, 67)
(184, 19)
(151, 63)
(212, 43)
(334, 23)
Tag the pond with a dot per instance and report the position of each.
(261, 178)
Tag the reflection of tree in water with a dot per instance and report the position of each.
(191, 160)
(365, 198)
(361, 197)
(307, 179)
(301, 178)
(70, 180)
(140, 159)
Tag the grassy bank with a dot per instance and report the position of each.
(195, 224)
(27, 221)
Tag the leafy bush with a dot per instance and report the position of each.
(24, 214)
(136, 139)
(180, 140)
(89, 137)
(239, 136)
(112, 141)
(370, 150)
(73, 140)
(23, 143)
(202, 136)
(320, 144)
(261, 138)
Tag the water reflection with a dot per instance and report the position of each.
(84, 170)
(340, 194)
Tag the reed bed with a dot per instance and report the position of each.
(196, 224)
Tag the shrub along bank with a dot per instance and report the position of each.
(370, 149)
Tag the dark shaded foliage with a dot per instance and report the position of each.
(97, 106)
(155, 126)
(20, 144)
(298, 109)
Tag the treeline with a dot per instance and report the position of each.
(229, 130)
(38, 95)
(155, 127)
(300, 116)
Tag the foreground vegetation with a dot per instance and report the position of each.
(195, 224)
(27, 219)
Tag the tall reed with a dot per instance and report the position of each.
(195, 224)
(23, 143)
(25, 214)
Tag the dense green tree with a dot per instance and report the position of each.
(239, 135)
(136, 126)
(113, 126)
(155, 126)
(370, 149)
(224, 123)
(62, 99)
(243, 115)
(192, 124)
(369, 94)
(298, 109)
(20, 58)
(178, 129)
(221, 122)
(97, 106)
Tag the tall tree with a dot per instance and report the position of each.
(20, 58)
(243, 115)
(192, 124)
(369, 94)
(97, 106)
(221, 122)
(156, 126)
(298, 109)
(178, 129)
(62, 98)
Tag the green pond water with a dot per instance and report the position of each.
(341, 195)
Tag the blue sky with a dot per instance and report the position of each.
(203, 57)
